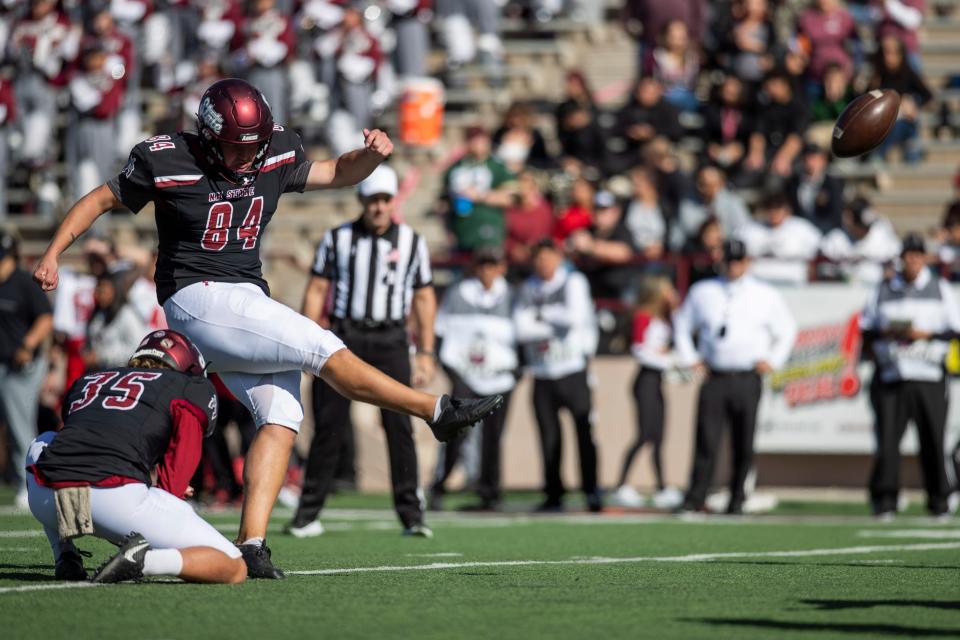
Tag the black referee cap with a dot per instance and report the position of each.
(734, 250)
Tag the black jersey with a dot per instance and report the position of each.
(119, 422)
(208, 228)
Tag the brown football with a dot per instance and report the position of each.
(865, 123)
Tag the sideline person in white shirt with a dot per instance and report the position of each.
(781, 243)
(907, 326)
(745, 331)
(478, 350)
(557, 326)
(652, 348)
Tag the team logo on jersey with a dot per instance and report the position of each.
(128, 169)
(210, 116)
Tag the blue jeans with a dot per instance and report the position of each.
(905, 135)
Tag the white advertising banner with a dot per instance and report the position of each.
(819, 402)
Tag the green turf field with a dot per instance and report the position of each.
(803, 572)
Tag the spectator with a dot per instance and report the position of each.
(891, 71)
(831, 34)
(728, 125)
(478, 188)
(115, 328)
(712, 198)
(902, 20)
(96, 95)
(410, 19)
(747, 47)
(122, 66)
(217, 26)
(604, 251)
(43, 44)
(676, 64)
(645, 219)
(814, 193)
(26, 322)
(518, 143)
(949, 253)
(460, 20)
(652, 337)
(645, 21)
(579, 215)
(265, 44)
(673, 183)
(837, 94)
(8, 115)
(528, 220)
(706, 251)
(866, 243)
(353, 59)
(781, 242)
(780, 125)
(581, 137)
(647, 115)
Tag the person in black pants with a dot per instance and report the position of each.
(556, 324)
(745, 331)
(373, 274)
(478, 351)
(907, 326)
(652, 336)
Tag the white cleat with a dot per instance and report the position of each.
(668, 499)
(418, 531)
(311, 530)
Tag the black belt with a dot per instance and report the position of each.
(366, 325)
(730, 373)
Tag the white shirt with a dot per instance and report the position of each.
(651, 345)
(479, 342)
(556, 323)
(781, 252)
(869, 253)
(739, 323)
(926, 304)
(73, 304)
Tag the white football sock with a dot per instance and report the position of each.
(162, 562)
(256, 541)
(437, 409)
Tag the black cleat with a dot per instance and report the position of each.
(257, 557)
(126, 563)
(457, 414)
(70, 566)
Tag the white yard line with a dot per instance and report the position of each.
(927, 534)
(22, 533)
(696, 557)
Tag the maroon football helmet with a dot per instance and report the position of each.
(173, 349)
(234, 112)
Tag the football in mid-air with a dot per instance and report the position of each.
(865, 122)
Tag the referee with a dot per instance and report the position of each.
(376, 272)
(744, 330)
(909, 322)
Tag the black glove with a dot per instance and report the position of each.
(457, 415)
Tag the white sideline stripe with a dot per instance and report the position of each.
(696, 557)
(18, 549)
(50, 587)
(928, 534)
(449, 554)
(23, 533)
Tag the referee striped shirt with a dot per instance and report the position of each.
(373, 277)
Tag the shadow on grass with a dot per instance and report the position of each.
(835, 627)
(858, 565)
(833, 605)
